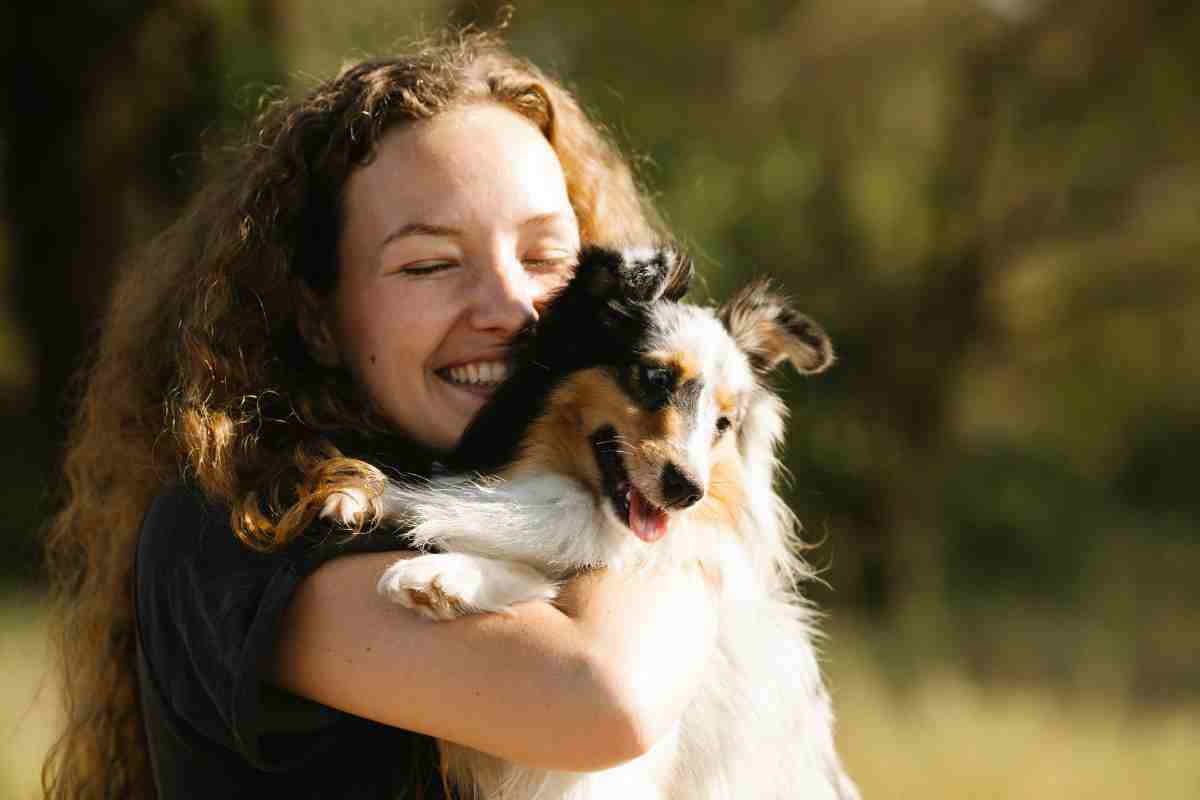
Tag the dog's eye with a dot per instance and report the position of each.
(723, 424)
(656, 380)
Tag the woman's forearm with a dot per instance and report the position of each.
(579, 686)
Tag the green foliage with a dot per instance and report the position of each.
(997, 217)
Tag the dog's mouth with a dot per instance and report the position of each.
(647, 521)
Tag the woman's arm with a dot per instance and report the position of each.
(584, 685)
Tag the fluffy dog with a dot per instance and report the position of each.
(637, 431)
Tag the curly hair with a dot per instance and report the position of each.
(202, 373)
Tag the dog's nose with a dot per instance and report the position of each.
(679, 489)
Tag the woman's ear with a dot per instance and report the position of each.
(312, 319)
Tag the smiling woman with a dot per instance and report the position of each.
(453, 235)
(336, 308)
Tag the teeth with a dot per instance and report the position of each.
(481, 372)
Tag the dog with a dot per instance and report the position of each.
(637, 431)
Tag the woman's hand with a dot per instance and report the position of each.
(584, 684)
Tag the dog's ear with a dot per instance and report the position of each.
(770, 331)
(679, 271)
(634, 274)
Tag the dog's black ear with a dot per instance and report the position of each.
(679, 271)
(634, 274)
(770, 331)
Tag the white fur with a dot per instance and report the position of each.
(443, 586)
(345, 506)
(761, 726)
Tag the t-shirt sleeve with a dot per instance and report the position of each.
(209, 611)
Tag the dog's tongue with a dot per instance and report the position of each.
(647, 522)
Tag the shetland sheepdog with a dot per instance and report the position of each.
(637, 430)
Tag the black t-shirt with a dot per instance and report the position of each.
(208, 614)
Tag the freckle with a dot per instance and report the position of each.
(372, 358)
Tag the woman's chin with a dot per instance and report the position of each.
(463, 401)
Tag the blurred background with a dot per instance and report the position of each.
(992, 205)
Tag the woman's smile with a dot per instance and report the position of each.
(481, 376)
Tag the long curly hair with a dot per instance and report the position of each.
(201, 372)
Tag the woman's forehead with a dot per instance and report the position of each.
(481, 161)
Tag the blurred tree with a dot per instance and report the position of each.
(104, 112)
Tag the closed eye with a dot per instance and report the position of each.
(421, 268)
(549, 258)
(549, 264)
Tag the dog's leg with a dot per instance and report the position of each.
(445, 586)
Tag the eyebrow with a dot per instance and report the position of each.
(543, 219)
(427, 229)
(418, 229)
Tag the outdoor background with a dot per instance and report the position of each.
(992, 205)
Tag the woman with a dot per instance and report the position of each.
(339, 306)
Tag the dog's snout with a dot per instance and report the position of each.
(679, 489)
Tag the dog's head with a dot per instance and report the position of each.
(639, 395)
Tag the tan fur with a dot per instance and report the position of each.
(666, 424)
(726, 401)
(556, 441)
(725, 499)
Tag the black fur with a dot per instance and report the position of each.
(651, 384)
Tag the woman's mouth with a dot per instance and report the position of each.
(479, 377)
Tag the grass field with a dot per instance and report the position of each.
(940, 737)
(28, 705)
(945, 737)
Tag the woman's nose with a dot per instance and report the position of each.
(505, 296)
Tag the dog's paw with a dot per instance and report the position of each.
(435, 586)
(347, 507)
(445, 586)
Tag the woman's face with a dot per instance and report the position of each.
(452, 238)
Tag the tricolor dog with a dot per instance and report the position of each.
(634, 431)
